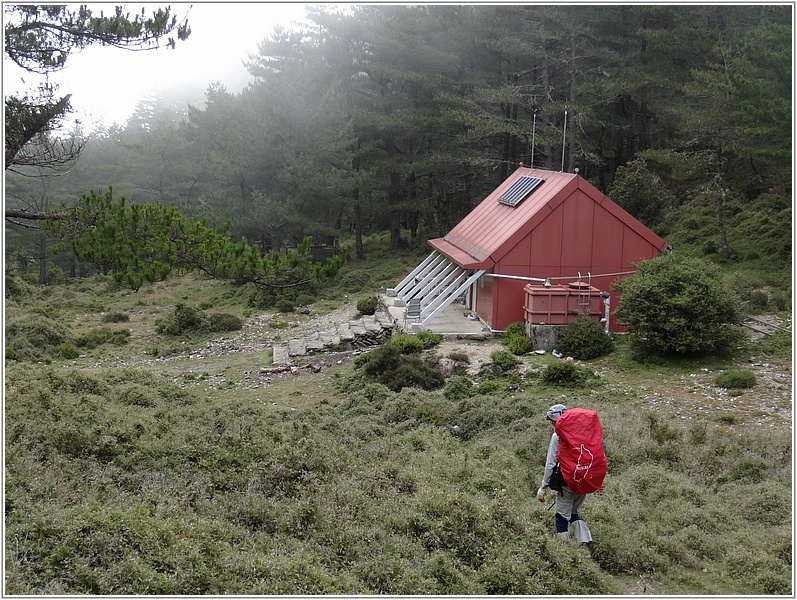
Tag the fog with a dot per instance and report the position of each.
(107, 83)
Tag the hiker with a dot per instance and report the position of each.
(567, 503)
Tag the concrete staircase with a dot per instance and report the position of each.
(368, 331)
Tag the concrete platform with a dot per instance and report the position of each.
(453, 322)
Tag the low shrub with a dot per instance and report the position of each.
(33, 337)
(304, 300)
(68, 350)
(520, 344)
(736, 379)
(430, 413)
(565, 373)
(487, 387)
(285, 306)
(396, 369)
(458, 388)
(759, 300)
(184, 320)
(513, 329)
(188, 320)
(115, 317)
(17, 288)
(407, 344)
(224, 322)
(428, 339)
(459, 356)
(354, 281)
(777, 345)
(367, 306)
(781, 300)
(680, 306)
(584, 339)
(504, 359)
(102, 335)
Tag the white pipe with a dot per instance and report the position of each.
(499, 276)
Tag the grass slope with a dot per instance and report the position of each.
(129, 475)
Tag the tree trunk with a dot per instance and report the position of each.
(194, 181)
(394, 196)
(358, 225)
(412, 217)
(726, 248)
(42, 259)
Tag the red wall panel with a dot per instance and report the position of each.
(607, 242)
(484, 299)
(577, 231)
(546, 243)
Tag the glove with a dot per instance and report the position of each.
(541, 493)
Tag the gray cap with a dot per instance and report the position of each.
(555, 412)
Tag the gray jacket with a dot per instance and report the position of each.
(551, 459)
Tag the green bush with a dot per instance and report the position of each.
(55, 275)
(513, 329)
(33, 337)
(459, 356)
(759, 300)
(285, 306)
(367, 306)
(188, 320)
(584, 339)
(16, 288)
(68, 351)
(407, 344)
(222, 322)
(776, 345)
(428, 339)
(304, 300)
(115, 317)
(458, 388)
(781, 300)
(102, 335)
(487, 387)
(736, 379)
(565, 373)
(520, 344)
(504, 359)
(354, 281)
(396, 369)
(430, 413)
(184, 320)
(679, 306)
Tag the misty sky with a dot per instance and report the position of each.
(106, 83)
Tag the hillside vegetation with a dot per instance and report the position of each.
(145, 463)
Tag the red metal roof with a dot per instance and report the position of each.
(492, 229)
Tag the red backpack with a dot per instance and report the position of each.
(581, 454)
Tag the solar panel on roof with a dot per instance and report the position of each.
(520, 190)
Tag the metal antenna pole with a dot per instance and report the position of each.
(533, 136)
(564, 138)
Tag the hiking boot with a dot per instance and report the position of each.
(587, 546)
